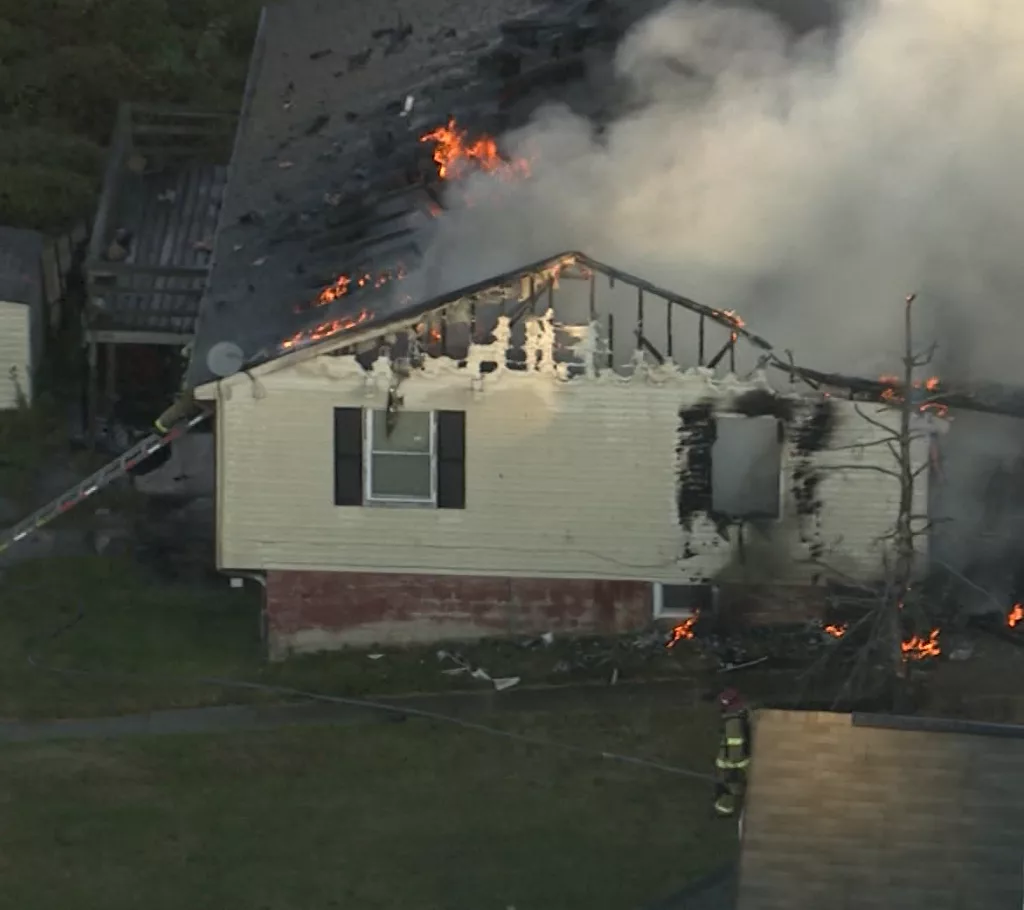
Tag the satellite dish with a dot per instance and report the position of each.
(225, 358)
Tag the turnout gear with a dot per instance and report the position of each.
(184, 407)
(733, 754)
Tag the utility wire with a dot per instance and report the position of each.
(402, 710)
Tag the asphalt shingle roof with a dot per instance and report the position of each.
(328, 177)
(845, 814)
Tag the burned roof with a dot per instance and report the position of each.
(20, 266)
(329, 175)
(862, 811)
(989, 398)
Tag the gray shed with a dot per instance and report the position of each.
(22, 316)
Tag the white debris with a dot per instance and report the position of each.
(374, 656)
(407, 107)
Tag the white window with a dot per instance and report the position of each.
(682, 601)
(401, 457)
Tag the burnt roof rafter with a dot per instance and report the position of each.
(370, 310)
(722, 317)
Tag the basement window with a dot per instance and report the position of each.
(410, 458)
(682, 601)
(746, 467)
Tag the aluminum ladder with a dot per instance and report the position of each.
(105, 476)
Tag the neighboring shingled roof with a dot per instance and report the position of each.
(865, 813)
(21, 277)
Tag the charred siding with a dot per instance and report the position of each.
(764, 403)
(810, 435)
(697, 432)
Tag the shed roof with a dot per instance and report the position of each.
(21, 276)
(860, 812)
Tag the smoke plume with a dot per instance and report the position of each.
(809, 183)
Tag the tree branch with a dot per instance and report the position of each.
(867, 445)
(858, 467)
(925, 357)
(875, 422)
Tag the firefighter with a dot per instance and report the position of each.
(183, 408)
(733, 754)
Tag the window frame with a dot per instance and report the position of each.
(779, 429)
(660, 611)
(371, 498)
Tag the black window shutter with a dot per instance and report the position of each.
(451, 459)
(348, 457)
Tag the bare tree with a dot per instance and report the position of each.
(893, 605)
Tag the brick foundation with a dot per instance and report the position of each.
(314, 611)
(766, 605)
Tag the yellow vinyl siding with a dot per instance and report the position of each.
(563, 479)
(15, 354)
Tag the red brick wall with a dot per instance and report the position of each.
(764, 605)
(309, 611)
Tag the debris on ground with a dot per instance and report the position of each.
(463, 666)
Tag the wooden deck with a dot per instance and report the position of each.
(151, 245)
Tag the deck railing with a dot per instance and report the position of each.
(147, 140)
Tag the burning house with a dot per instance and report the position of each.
(410, 451)
(489, 461)
(559, 446)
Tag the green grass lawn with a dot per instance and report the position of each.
(405, 815)
(120, 620)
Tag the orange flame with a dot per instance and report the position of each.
(917, 648)
(1015, 616)
(345, 284)
(684, 631)
(455, 156)
(325, 330)
(836, 631)
(931, 384)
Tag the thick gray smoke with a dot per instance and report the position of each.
(809, 185)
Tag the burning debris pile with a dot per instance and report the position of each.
(1007, 626)
(921, 647)
(783, 646)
